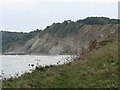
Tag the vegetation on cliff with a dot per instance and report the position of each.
(14, 41)
(96, 69)
(10, 38)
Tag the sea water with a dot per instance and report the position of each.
(15, 65)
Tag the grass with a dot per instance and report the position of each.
(97, 69)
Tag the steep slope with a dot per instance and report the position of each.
(68, 37)
(15, 39)
(96, 69)
(71, 43)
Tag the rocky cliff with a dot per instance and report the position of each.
(65, 38)
(70, 44)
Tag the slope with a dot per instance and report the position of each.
(96, 69)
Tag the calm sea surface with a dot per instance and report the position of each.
(12, 65)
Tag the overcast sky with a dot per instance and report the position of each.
(29, 15)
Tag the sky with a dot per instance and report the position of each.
(29, 15)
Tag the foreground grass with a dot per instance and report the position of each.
(97, 69)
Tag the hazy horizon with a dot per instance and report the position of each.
(27, 16)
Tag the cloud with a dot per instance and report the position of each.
(27, 4)
(77, 1)
(17, 4)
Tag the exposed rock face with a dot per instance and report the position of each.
(70, 44)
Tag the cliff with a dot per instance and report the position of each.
(64, 38)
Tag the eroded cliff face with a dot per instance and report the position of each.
(72, 43)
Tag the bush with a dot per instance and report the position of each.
(40, 68)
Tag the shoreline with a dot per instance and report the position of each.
(37, 61)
